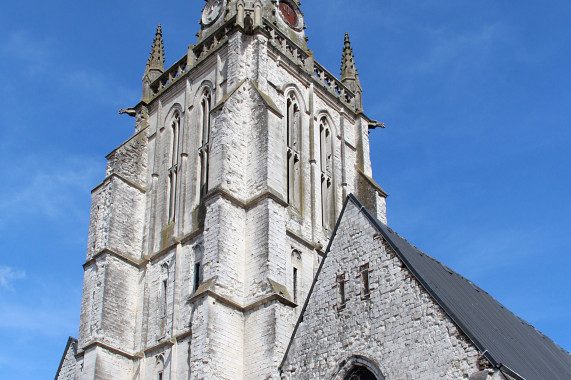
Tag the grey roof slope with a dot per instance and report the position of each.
(509, 343)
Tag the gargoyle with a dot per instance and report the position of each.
(129, 111)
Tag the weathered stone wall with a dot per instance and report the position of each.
(399, 328)
(117, 218)
(68, 364)
(130, 159)
(244, 230)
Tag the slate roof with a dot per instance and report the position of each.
(509, 343)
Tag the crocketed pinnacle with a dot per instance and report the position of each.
(348, 69)
(157, 58)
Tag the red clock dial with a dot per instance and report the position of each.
(289, 13)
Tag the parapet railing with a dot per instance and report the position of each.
(169, 76)
(333, 84)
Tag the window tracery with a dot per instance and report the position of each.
(326, 158)
(173, 172)
(293, 120)
(204, 150)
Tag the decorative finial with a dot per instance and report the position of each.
(349, 74)
(348, 69)
(157, 58)
(155, 64)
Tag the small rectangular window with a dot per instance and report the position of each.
(364, 274)
(294, 284)
(160, 376)
(197, 277)
(164, 299)
(341, 299)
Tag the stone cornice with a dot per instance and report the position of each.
(118, 176)
(182, 240)
(246, 204)
(208, 292)
(137, 263)
(135, 356)
(141, 263)
(105, 346)
(305, 242)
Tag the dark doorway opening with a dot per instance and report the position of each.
(360, 373)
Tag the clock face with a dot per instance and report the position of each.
(211, 11)
(289, 14)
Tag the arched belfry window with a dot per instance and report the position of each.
(174, 165)
(326, 158)
(204, 150)
(293, 120)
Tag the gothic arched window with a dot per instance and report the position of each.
(326, 158)
(174, 165)
(293, 120)
(296, 268)
(159, 367)
(197, 270)
(204, 150)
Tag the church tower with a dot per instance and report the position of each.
(210, 224)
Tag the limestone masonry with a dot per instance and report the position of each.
(215, 246)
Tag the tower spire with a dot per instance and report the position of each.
(349, 73)
(156, 63)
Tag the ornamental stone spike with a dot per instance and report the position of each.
(155, 65)
(157, 58)
(349, 73)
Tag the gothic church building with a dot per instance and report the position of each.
(239, 234)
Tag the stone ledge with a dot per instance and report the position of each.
(247, 204)
(372, 182)
(305, 242)
(96, 343)
(154, 256)
(128, 182)
(206, 289)
(138, 263)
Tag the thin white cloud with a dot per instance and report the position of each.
(49, 187)
(34, 319)
(43, 59)
(32, 54)
(8, 276)
(447, 47)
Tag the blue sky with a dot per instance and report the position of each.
(476, 97)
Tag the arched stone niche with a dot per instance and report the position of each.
(358, 367)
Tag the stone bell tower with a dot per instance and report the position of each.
(208, 228)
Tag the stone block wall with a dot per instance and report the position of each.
(399, 327)
(117, 218)
(244, 228)
(68, 363)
